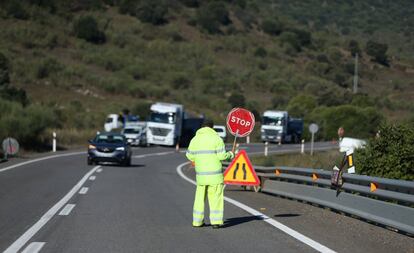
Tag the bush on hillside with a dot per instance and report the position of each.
(390, 154)
(260, 52)
(127, 7)
(14, 94)
(152, 11)
(378, 51)
(212, 15)
(190, 3)
(237, 100)
(87, 28)
(48, 67)
(4, 70)
(16, 10)
(272, 26)
(301, 105)
(291, 39)
(353, 47)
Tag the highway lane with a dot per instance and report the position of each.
(148, 207)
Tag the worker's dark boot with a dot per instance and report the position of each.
(217, 226)
(200, 226)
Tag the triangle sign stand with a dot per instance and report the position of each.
(240, 171)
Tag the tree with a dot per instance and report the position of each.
(87, 28)
(212, 15)
(378, 51)
(390, 154)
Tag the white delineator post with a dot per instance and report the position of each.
(248, 139)
(302, 147)
(266, 148)
(54, 142)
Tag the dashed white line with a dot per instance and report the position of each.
(23, 239)
(92, 178)
(306, 240)
(34, 247)
(99, 170)
(67, 209)
(84, 190)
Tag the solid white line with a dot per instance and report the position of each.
(23, 239)
(306, 240)
(40, 159)
(34, 247)
(67, 209)
(84, 190)
(92, 178)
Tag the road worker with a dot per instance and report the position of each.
(206, 151)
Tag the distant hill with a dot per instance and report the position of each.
(73, 62)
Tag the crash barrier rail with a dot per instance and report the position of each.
(386, 202)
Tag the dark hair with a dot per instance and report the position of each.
(208, 123)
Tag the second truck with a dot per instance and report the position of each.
(278, 126)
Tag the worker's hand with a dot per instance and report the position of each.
(192, 164)
(231, 155)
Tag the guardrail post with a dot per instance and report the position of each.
(302, 147)
(266, 148)
(54, 142)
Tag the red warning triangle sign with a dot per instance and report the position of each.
(241, 171)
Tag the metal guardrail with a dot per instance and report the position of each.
(387, 202)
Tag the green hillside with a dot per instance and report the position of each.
(64, 65)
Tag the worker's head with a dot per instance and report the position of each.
(208, 123)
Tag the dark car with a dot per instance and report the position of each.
(109, 147)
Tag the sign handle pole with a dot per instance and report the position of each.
(311, 153)
(234, 143)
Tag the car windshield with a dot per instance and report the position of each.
(163, 117)
(219, 130)
(109, 139)
(273, 121)
(131, 131)
(109, 120)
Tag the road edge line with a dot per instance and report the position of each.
(298, 236)
(26, 236)
(39, 159)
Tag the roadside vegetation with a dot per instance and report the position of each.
(64, 65)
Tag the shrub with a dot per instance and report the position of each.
(190, 3)
(378, 51)
(142, 109)
(14, 94)
(16, 10)
(48, 67)
(152, 11)
(389, 154)
(272, 26)
(128, 7)
(87, 28)
(291, 39)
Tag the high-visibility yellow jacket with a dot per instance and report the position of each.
(207, 150)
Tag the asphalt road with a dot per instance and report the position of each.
(148, 208)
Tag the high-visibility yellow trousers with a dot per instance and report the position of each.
(215, 195)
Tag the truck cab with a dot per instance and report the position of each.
(165, 124)
(277, 126)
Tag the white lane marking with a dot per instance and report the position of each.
(67, 209)
(34, 247)
(154, 154)
(84, 190)
(306, 240)
(40, 159)
(92, 178)
(99, 170)
(23, 239)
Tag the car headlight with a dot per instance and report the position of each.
(120, 148)
(91, 146)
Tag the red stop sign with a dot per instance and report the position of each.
(240, 122)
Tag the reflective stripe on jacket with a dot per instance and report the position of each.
(207, 150)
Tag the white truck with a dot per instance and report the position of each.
(165, 124)
(113, 121)
(278, 126)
